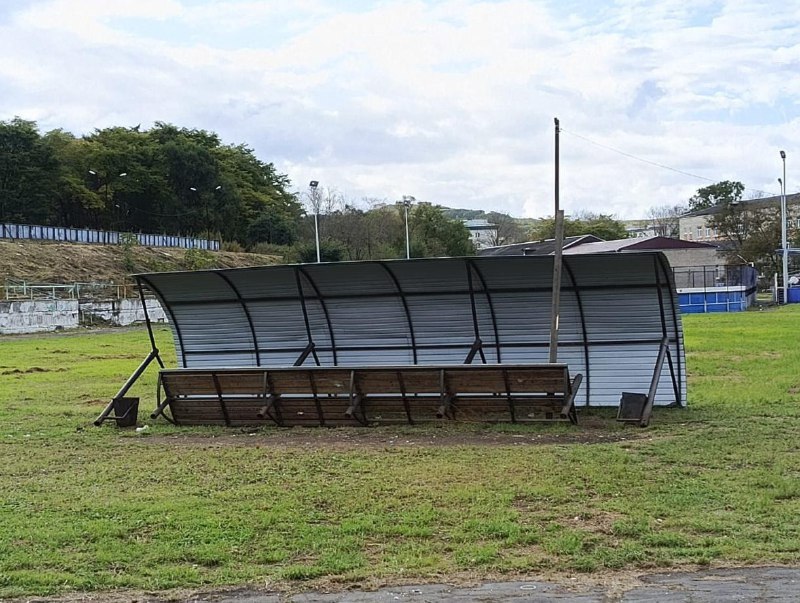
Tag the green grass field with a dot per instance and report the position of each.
(85, 508)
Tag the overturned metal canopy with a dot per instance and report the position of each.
(616, 310)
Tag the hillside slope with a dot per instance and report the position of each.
(44, 262)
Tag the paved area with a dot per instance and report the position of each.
(760, 584)
(769, 584)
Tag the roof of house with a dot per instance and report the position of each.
(629, 245)
(479, 224)
(750, 203)
(546, 247)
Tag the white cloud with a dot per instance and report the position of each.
(450, 101)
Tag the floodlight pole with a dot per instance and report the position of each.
(315, 206)
(559, 244)
(784, 245)
(407, 201)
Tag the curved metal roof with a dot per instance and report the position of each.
(615, 311)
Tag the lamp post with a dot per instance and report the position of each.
(106, 183)
(313, 194)
(407, 201)
(784, 245)
(205, 206)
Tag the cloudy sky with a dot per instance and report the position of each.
(451, 102)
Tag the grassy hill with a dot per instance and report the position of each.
(46, 262)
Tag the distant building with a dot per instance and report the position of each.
(482, 232)
(695, 226)
(704, 281)
(640, 229)
(546, 247)
(679, 253)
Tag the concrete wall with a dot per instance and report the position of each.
(37, 316)
(121, 312)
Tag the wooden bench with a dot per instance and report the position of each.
(331, 396)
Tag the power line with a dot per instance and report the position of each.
(654, 163)
(661, 165)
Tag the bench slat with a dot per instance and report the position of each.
(324, 395)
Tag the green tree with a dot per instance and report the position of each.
(435, 235)
(27, 173)
(726, 191)
(753, 232)
(274, 227)
(306, 253)
(603, 226)
(167, 179)
(74, 201)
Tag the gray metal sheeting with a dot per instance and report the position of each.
(615, 310)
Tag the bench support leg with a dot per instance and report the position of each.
(568, 410)
(153, 355)
(264, 411)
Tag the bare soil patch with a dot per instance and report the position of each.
(380, 438)
(33, 369)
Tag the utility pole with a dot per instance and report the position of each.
(559, 244)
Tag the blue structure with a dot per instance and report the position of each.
(703, 289)
(719, 299)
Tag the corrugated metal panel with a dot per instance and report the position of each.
(615, 310)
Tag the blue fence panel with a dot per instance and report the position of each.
(103, 237)
(713, 301)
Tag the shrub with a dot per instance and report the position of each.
(128, 240)
(198, 259)
(306, 253)
(232, 246)
(270, 249)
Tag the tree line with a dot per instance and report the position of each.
(180, 181)
(164, 180)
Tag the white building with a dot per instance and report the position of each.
(482, 232)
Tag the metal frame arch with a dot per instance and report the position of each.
(302, 299)
(322, 303)
(474, 309)
(243, 304)
(148, 323)
(662, 262)
(577, 292)
(168, 308)
(407, 310)
(488, 293)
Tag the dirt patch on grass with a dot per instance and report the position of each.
(95, 402)
(349, 438)
(33, 369)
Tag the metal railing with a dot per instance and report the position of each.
(24, 291)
